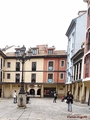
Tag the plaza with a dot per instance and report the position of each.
(43, 109)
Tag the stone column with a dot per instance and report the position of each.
(76, 97)
(72, 88)
(78, 70)
(11, 90)
(82, 72)
(83, 93)
(42, 91)
(66, 89)
(2, 91)
(75, 71)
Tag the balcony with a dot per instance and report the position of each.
(50, 80)
(33, 81)
(17, 81)
(50, 68)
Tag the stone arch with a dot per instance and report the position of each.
(39, 92)
(32, 92)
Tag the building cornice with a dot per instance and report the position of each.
(71, 26)
(78, 53)
(41, 56)
(2, 54)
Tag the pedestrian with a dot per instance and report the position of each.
(27, 97)
(63, 97)
(15, 96)
(69, 101)
(55, 97)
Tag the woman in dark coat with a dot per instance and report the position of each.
(70, 101)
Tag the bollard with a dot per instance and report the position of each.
(21, 101)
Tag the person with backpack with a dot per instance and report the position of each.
(69, 101)
(55, 97)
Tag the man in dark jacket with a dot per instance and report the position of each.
(70, 101)
(55, 97)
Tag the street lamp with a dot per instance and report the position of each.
(22, 56)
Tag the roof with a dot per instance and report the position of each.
(73, 22)
(57, 52)
(71, 26)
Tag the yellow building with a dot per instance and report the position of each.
(11, 72)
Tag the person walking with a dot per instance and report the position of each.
(55, 97)
(27, 98)
(69, 101)
(15, 96)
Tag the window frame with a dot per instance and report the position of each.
(8, 75)
(18, 67)
(32, 78)
(63, 76)
(16, 78)
(33, 67)
(61, 63)
(34, 51)
(8, 64)
(50, 51)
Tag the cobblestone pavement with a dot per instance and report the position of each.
(42, 109)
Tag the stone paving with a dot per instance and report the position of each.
(42, 109)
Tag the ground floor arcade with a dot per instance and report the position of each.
(36, 90)
(80, 90)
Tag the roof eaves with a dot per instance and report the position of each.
(71, 26)
(77, 53)
(2, 54)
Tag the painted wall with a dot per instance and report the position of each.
(56, 66)
(80, 31)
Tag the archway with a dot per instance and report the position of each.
(32, 92)
(39, 92)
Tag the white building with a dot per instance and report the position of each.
(76, 34)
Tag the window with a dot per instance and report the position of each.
(17, 78)
(4, 63)
(88, 44)
(3, 75)
(50, 52)
(8, 76)
(87, 67)
(80, 70)
(33, 78)
(72, 45)
(62, 63)
(50, 65)
(50, 78)
(17, 66)
(8, 64)
(89, 11)
(34, 51)
(0, 63)
(33, 66)
(61, 75)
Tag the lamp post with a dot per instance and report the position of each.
(22, 56)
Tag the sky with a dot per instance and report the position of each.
(37, 22)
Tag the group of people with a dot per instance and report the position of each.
(15, 97)
(69, 99)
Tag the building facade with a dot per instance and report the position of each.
(77, 76)
(86, 74)
(44, 73)
(76, 36)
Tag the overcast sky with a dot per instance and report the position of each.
(35, 22)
